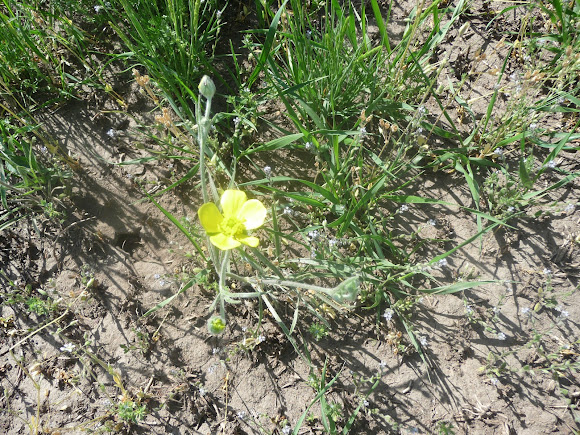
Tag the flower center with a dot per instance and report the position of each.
(232, 226)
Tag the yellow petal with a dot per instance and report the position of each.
(210, 217)
(250, 241)
(232, 202)
(253, 214)
(224, 242)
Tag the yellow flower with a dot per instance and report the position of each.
(230, 229)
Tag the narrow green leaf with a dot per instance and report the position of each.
(267, 46)
(274, 144)
(318, 397)
(371, 193)
(456, 287)
(381, 25)
(525, 175)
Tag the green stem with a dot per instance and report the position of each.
(222, 289)
(279, 282)
(203, 125)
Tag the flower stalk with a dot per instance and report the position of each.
(203, 126)
(343, 292)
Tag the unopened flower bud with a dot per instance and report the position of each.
(216, 325)
(207, 87)
(347, 290)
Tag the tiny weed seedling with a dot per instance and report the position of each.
(318, 331)
(131, 412)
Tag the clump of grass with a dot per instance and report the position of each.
(174, 41)
(43, 54)
(31, 178)
(328, 69)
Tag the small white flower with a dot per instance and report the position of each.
(388, 314)
(332, 243)
(287, 430)
(442, 262)
(97, 8)
(68, 347)
(288, 211)
(422, 111)
(404, 208)
(468, 310)
(432, 222)
(494, 381)
(423, 341)
(533, 127)
(309, 146)
(547, 271)
(511, 209)
(526, 311)
(365, 403)
(570, 208)
(112, 133)
(236, 121)
(564, 314)
(211, 369)
(202, 391)
(363, 132)
(268, 171)
(218, 14)
(43, 149)
(382, 364)
(260, 339)
(156, 276)
(501, 336)
(551, 164)
(215, 350)
(242, 415)
(499, 151)
(313, 235)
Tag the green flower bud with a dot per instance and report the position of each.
(346, 291)
(207, 87)
(216, 325)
